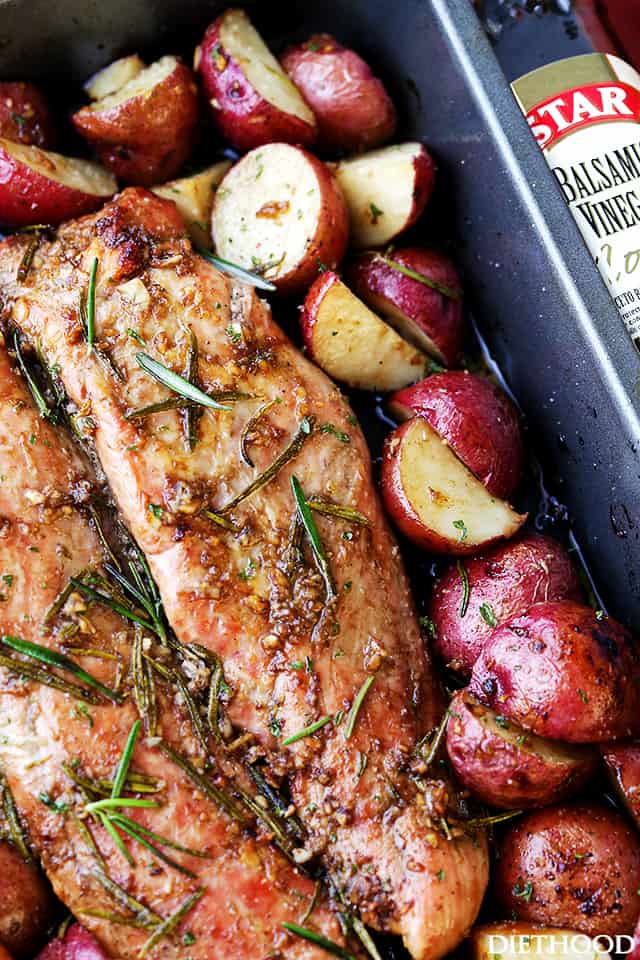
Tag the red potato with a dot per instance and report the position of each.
(386, 191)
(623, 764)
(426, 311)
(25, 115)
(434, 499)
(572, 865)
(77, 944)
(28, 904)
(563, 673)
(38, 186)
(504, 766)
(351, 343)
(280, 213)
(513, 941)
(352, 108)
(504, 582)
(253, 100)
(146, 130)
(478, 421)
(113, 77)
(193, 196)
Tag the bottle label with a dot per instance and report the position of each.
(585, 114)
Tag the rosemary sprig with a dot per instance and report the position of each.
(221, 521)
(309, 524)
(234, 270)
(141, 834)
(27, 257)
(434, 743)
(125, 761)
(173, 381)
(145, 915)
(202, 783)
(181, 403)
(42, 406)
(48, 679)
(127, 612)
(117, 918)
(338, 510)
(494, 818)
(316, 938)
(144, 691)
(452, 293)
(307, 731)
(357, 704)
(290, 821)
(15, 829)
(135, 783)
(292, 450)
(88, 306)
(466, 590)
(167, 927)
(191, 414)
(54, 659)
(216, 682)
(174, 677)
(249, 428)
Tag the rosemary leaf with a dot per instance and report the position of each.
(312, 937)
(452, 293)
(173, 381)
(317, 548)
(466, 590)
(223, 522)
(357, 704)
(277, 804)
(173, 676)
(307, 731)
(112, 604)
(146, 916)
(292, 450)
(494, 818)
(234, 270)
(364, 937)
(191, 414)
(27, 257)
(115, 836)
(213, 703)
(434, 744)
(116, 918)
(202, 783)
(163, 841)
(16, 831)
(144, 692)
(181, 403)
(120, 803)
(167, 927)
(249, 428)
(337, 510)
(133, 830)
(88, 306)
(125, 761)
(312, 904)
(54, 659)
(42, 406)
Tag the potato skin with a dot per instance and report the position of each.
(77, 944)
(353, 110)
(25, 115)
(28, 904)
(476, 418)
(504, 582)
(582, 862)
(623, 764)
(240, 112)
(386, 289)
(147, 138)
(562, 673)
(504, 766)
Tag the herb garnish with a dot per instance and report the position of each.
(464, 577)
(173, 381)
(41, 404)
(248, 429)
(171, 923)
(307, 731)
(338, 434)
(234, 270)
(88, 306)
(337, 510)
(376, 213)
(487, 614)
(54, 659)
(453, 293)
(327, 945)
(309, 524)
(524, 891)
(15, 829)
(357, 704)
(462, 527)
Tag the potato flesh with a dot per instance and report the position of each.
(267, 210)
(543, 943)
(110, 79)
(407, 327)
(70, 171)
(142, 82)
(379, 190)
(241, 40)
(551, 751)
(355, 346)
(193, 196)
(446, 496)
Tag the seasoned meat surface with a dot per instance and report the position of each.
(312, 619)
(51, 742)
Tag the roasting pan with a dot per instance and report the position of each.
(537, 298)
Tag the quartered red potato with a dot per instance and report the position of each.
(221, 730)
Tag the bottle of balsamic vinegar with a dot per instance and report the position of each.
(585, 114)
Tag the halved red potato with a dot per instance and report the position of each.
(351, 343)
(280, 213)
(76, 944)
(28, 904)
(503, 583)
(146, 130)
(623, 763)
(113, 77)
(38, 186)
(515, 941)
(386, 191)
(505, 766)
(419, 292)
(25, 115)
(476, 418)
(573, 865)
(193, 196)
(564, 672)
(253, 100)
(352, 108)
(434, 499)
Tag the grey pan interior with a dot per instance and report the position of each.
(538, 298)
